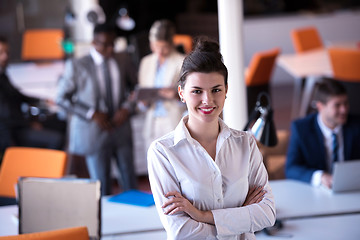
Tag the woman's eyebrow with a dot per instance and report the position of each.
(216, 86)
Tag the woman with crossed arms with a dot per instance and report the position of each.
(208, 180)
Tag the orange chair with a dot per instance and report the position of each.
(258, 74)
(345, 64)
(305, 39)
(76, 233)
(29, 162)
(42, 44)
(184, 40)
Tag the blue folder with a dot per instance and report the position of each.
(134, 197)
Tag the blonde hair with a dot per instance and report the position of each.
(162, 30)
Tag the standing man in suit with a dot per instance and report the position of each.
(96, 89)
(319, 140)
(15, 128)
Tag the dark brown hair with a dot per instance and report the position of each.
(329, 88)
(205, 58)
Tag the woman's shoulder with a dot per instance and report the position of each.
(165, 141)
(176, 56)
(149, 57)
(240, 133)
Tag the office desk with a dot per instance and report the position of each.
(294, 199)
(117, 220)
(329, 228)
(36, 80)
(122, 219)
(298, 205)
(305, 68)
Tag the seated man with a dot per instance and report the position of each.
(15, 128)
(320, 139)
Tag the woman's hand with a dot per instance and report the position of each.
(177, 203)
(255, 195)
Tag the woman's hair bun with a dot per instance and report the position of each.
(205, 44)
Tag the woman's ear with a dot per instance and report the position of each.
(181, 94)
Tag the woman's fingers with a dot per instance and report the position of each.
(255, 195)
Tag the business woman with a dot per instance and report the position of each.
(208, 180)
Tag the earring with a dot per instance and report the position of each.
(182, 100)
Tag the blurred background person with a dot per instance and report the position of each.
(320, 139)
(161, 69)
(95, 89)
(17, 128)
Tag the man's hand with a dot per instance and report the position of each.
(326, 180)
(120, 117)
(102, 120)
(177, 203)
(168, 93)
(255, 195)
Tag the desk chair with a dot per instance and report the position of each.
(345, 64)
(305, 39)
(258, 75)
(42, 44)
(76, 233)
(183, 40)
(29, 162)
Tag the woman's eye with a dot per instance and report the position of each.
(196, 91)
(216, 90)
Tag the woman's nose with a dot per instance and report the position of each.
(207, 98)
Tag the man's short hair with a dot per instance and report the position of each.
(104, 28)
(329, 88)
(3, 39)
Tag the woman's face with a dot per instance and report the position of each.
(161, 48)
(204, 95)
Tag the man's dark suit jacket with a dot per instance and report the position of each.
(306, 151)
(11, 116)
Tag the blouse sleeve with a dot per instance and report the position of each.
(163, 179)
(254, 217)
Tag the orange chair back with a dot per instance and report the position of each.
(345, 64)
(42, 44)
(305, 39)
(29, 162)
(260, 68)
(185, 40)
(76, 233)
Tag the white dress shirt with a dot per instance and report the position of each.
(114, 73)
(177, 162)
(327, 135)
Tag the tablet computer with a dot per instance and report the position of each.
(147, 94)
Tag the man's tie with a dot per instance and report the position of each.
(335, 147)
(108, 85)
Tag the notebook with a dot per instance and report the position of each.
(346, 176)
(134, 197)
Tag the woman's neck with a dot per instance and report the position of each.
(203, 132)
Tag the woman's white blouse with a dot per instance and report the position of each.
(177, 162)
